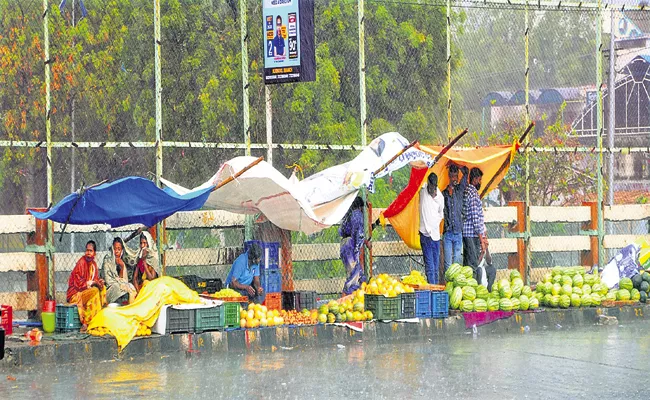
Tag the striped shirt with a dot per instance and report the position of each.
(473, 221)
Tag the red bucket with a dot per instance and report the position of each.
(49, 306)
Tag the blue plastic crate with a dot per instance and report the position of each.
(439, 304)
(270, 253)
(423, 304)
(271, 280)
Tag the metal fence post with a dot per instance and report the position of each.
(159, 148)
(248, 227)
(449, 70)
(526, 264)
(48, 140)
(364, 121)
(599, 125)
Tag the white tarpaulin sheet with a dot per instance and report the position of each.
(312, 204)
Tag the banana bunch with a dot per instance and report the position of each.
(226, 293)
(414, 278)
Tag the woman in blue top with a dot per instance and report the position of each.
(352, 232)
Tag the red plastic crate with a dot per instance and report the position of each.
(273, 301)
(7, 319)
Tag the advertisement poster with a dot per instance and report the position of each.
(283, 53)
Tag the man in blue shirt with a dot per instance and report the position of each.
(453, 227)
(278, 40)
(474, 234)
(244, 275)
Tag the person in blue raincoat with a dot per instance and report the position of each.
(353, 237)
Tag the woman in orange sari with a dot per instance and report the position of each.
(85, 287)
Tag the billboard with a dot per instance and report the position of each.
(289, 41)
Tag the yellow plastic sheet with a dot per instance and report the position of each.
(123, 322)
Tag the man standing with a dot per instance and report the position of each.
(244, 275)
(474, 234)
(431, 213)
(453, 229)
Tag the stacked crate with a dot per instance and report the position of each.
(270, 273)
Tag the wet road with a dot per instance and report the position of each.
(594, 362)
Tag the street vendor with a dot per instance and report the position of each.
(244, 276)
(453, 226)
(117, 270)
(352, 239)
(474, 233)
(147, 266)
(432, 207)
(85, 288)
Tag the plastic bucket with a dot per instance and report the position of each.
(49, 321)
(49, 306)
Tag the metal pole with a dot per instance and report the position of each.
(527, 169)
(363, 118)
(248, 227)
(269, 124)
(159, 148)
(599, 126)
(48, 140)
(448, 70)
(611, 93)
(72, 149)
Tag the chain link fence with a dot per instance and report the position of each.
(504, 66)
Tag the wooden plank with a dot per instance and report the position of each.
(196, 257)
(326, 285)
(629, 212)
(560, 214)
(16, 224)
(205, 219)
(502, 245)
(504, 215)
(25, 301)
(94, 228)
(20, 262)
(559, 243)
(620, 241)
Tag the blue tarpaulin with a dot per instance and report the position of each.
(126, 201)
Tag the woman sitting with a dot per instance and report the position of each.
(117, 270)
(147, 268)
(85, 287)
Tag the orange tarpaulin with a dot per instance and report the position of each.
(404, 212)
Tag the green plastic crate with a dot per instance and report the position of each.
(230, 314)
(208, 319)
(383, 308)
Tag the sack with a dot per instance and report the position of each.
(486, 272)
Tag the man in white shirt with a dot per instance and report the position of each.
(432, 205)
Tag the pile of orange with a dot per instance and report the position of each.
(304, 317)
(258, 315)
(386, 285)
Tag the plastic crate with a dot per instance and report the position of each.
(307, 299)
(383, 308)
(423, 304)
(208, 319)
(289, 300)
(67, 318)
(271, 280)
(273, 301)
(230, 315)
(439, 304)
(179, 321)
(201, 285)
(407, 305)
(6, 319)
(299, 300)
(270, 253)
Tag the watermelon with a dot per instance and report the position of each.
(644, 286)
(472, 282)
(540, 287)
(524, 302)
(557, 271)
(566, 280)
(466, 306)
(586, 289)
(482, 292)
(480, 305)
(456, 297)
(645, 276)
(517, 287)
(534, 304)
(557, 279)
(505, 292)
(555, 291)
(449, 288)
(575, 300)
(555, 301)
(505, 305)
(460, 281)
(586, 300)
(635, 295)
(515, 303)
(503, 283)
(452, 272)
(548, 277)
(469, 293)
(514, 274)
(595, 299)
(566, 290)
(636, 281)
(549, 288)
(623, 294)
(493, 305)
(547, 299)
(468, 272)
(578, 291)
(565, 301)
(526, 291)
(494, 295)
(643, 296)
(611, 296)
(538, 296)
(578, 281)
(625, 284)
(590, 279)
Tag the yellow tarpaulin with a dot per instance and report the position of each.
(404, 212)
(123, 322)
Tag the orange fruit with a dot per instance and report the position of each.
(242, 323)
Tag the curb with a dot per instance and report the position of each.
(268, 339)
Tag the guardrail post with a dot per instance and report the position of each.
(590, 258)
(518, 261)
(38, 280)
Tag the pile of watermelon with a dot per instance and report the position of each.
(467, 295)
(566, 287)
(638, 286)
